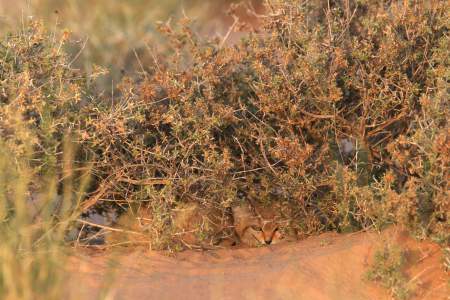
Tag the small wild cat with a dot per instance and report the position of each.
(133, 228)
(191, 226)
(257, 225)
(197, 227)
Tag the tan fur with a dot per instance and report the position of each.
(193, 227)
(256, 226)
(198, 227)
(132, 228)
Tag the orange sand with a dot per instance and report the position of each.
(328, 266)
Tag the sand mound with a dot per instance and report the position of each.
(329, 266)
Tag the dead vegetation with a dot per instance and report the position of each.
(340, 116)
(338, 112)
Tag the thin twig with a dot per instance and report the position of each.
(98, 194)
(108, 228)
(148, 181)
(140, 63)
(79, 52)
(227, 35)
(265, 157)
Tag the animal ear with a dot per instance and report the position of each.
(256, 227)
(241, 209)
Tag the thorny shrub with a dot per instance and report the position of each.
(337, 110)
(40, 95)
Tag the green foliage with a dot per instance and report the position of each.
(40, 95)
(387, 269)
(33, 229)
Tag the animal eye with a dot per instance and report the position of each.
(256, 228)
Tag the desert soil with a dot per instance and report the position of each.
(328, 266)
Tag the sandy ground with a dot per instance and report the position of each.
(329, 266)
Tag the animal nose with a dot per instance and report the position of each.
(268, 242)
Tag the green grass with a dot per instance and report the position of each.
(33, 233)
(387, 269)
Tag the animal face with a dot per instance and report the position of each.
(265, 233)
(256, 229)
